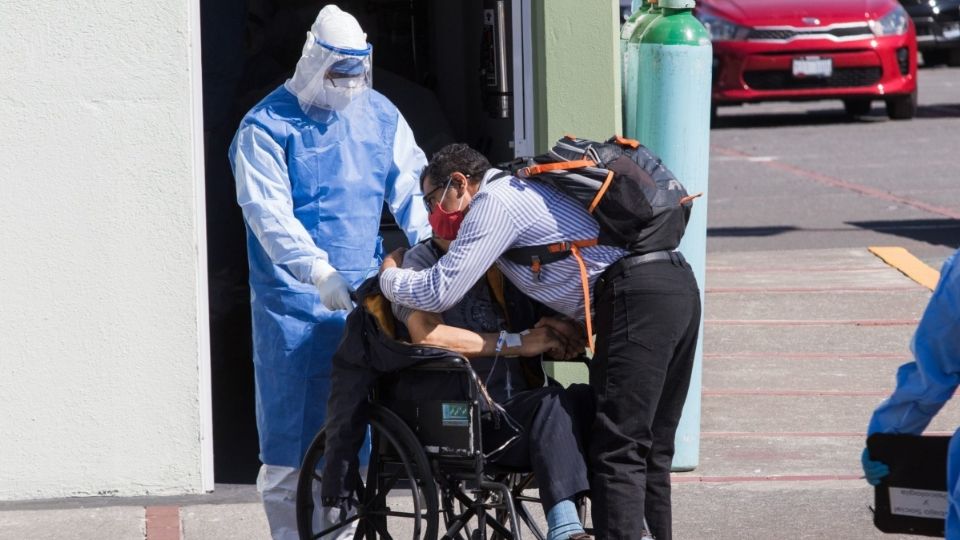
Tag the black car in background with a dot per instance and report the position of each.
(938, 29)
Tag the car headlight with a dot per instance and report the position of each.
(892, 24)
(722, 29)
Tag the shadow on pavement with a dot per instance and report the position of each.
(749, 231)
(939, 232)
(817, 117)
(939, 110)
(821, 117)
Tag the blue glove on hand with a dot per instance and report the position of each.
(873, 471)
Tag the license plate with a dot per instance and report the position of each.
(812, 67)
(951, 31)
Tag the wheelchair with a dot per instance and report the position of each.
(428, 476)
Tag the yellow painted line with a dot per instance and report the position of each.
(910, 266)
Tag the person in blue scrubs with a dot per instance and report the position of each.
(926, 384)
(314, 162)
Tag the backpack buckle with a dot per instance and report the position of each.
(535, 267)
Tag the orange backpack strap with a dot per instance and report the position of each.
(534, 170)
(567, 247)
(601, 192)
(585, 283)
(690, 198)
(629, 143)
(537, 256)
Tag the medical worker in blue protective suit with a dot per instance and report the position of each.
(314, 162)
(925, 384)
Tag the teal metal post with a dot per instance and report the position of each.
(674, 117)
(631, 66)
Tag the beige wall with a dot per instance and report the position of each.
(103, 349)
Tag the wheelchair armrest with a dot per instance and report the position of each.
(448, 363)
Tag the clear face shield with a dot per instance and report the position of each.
(329, 77)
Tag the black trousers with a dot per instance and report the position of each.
(647, 321)
(554, 422)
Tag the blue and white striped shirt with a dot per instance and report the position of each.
(504, 214)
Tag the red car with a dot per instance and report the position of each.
(791, 50)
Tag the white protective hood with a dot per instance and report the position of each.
(335, 68)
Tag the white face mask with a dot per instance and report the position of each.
(339, 98)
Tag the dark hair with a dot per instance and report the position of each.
(456, 157)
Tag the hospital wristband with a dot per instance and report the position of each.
(513, 340)
(501, 340)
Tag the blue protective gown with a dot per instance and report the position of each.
(924, 385)
(312, 188)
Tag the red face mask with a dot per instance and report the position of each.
(445, 224)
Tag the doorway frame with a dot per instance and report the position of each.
(524, 141)
(205, 380)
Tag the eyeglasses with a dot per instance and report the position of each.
(427, 198)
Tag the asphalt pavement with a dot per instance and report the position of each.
(804, 175)
(804, 329)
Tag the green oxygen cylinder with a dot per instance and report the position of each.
(628, 70)
(676, 60)
(631, 69)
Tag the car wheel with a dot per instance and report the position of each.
(953, 58)
(934, 58)
(902, 107)
(857, 107)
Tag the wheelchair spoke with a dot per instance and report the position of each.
(336, 527)
(496, 526)
(382, 529)
(529, 521)
(458, 524)
(394, 513)
(381, 494)
(523, 482)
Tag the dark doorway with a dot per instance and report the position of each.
(432, 58)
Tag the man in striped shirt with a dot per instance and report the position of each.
(647, 315)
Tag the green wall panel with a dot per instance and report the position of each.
(576, 55)
(576, 69)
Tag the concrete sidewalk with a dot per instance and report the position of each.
(800, 346)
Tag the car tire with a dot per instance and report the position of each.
(902, 107)
(857, 107)
(953, 58)
(934, 58)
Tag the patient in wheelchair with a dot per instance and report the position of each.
(538, 425)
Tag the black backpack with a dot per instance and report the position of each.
(639, 204)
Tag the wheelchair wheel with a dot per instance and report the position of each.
(397, 499)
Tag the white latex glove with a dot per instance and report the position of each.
(334, 290)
